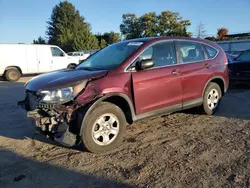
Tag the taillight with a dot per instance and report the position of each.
(225, 59)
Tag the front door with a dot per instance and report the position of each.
(160, 86)
(59, 59)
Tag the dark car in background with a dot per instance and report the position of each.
(239, 68)
(123, 83)
(231, 57)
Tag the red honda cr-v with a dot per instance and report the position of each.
(93, 102)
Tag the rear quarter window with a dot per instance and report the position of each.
(210, 51)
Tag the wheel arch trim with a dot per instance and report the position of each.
(211, 79)
(13, 67)
(101, 99)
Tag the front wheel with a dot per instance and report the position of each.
(211, 98)
(104, 128)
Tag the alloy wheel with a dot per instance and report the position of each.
(105, 129)
(213, 99)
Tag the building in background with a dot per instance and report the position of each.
(235, 46)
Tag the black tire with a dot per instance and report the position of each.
(12, 74)
(206, 107)
(87, 139)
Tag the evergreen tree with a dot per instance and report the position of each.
(68, 29)
(40, 40)
(103, 43)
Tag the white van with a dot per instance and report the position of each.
(18, 59)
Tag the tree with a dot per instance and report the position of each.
(84, 41)
(150, 24)
(201, 32)
(102, 43)
(221, 32)
(130, 26)
(40, 40)
(211, 38)
(172, 24)
(68, 29)
(111, 37)
(107, 38)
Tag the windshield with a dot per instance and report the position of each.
(110, 57)
(245, 56)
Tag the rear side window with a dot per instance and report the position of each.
(190, 51)
(210, 51)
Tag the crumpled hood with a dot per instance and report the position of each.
(61, 78)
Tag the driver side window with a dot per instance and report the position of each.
(162, 54)
(56, 52)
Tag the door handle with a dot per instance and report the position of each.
(207, 65)
(176, 72)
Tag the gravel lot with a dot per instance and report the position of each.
(181, 150)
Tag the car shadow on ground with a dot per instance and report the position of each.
(17, 171)
(234, 104)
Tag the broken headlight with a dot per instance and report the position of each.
(60, 95)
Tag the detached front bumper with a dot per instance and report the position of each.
(54, 121)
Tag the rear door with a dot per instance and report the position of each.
(195, 69)
(160, 86)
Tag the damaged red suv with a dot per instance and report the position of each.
(93, 102)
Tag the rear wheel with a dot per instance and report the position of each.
(12, 74)
(104, 128)
(211, 98)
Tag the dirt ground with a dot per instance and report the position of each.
(181, 150)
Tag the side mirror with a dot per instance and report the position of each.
(72, 66)
(62, 54)
(145, 64)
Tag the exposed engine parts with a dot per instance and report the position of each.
(55, 123)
